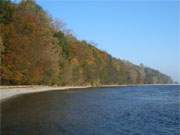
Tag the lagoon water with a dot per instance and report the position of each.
(140, 110)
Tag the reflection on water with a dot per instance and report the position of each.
(145, 110)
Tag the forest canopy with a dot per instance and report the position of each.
(35, 51)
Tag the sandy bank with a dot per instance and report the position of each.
(9, 91)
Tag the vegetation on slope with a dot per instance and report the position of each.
(35, 51)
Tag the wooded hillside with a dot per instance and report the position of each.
(35, 51)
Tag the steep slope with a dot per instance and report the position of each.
(34, 51)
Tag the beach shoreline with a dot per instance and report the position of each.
(10, 91)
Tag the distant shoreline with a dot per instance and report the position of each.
(10, 91)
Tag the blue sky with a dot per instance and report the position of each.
(144, 31)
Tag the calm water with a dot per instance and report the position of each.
(145, 110)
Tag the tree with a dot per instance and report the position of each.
(31, 54)
(37, 50)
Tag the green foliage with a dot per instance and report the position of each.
(6, 11)
(34, 52)
(62, 42)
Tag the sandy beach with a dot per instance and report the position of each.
(9, 91)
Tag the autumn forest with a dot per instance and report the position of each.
(37, 50)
